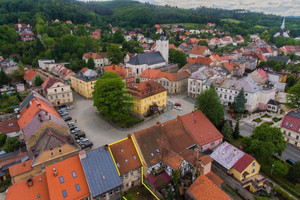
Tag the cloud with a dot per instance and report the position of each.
(279, 7)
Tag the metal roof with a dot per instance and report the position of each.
(100, 171)
(227, 155)
(147, 58)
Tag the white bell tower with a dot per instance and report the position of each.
(162, 45)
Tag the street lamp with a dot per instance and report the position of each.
(272, 169)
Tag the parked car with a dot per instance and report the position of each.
(86, 144)
(75, 130)
(81, 140)
(71, 124)
(64, 114)
(62, 106)
(177, 106)
(79, 135)
(68, 119)
(73, 127)
(290, 161)
(70, 107)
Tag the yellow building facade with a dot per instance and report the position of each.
(251, 170)
(141, 106)
(147, 94)
(82, 86)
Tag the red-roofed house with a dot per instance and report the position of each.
(201, 60)
(260, 76)
(238, 39)
(199, 51)
(96, 34)
(10, 128)
(232, 68)
(290, 126)
(126, 74)
(100, 59)
(31, 75)
(202, 130)
(226, 40)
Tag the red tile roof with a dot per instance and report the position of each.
(83, 69)
(171, 158)
(193, 40)
(243, 163)
(291, 121)
(199, 126)
(116, 69)
(198, 50)
(29, 75)
(159, 180)
(146, 89)
(203, 189)
(20, 168)
(262, 73)
(70, 179)
(155, 74)
(230, 66)
(200, 60)
(21, 190)
(100, 55)
(125, 156)
(214, 178)
(49, 82)
(9, 126)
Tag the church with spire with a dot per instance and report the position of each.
(282, 32)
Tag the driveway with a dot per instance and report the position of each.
(101, 132)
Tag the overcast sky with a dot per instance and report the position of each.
(279, 7)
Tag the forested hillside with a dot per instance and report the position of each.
(127, 13)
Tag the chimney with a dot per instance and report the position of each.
(29, 182)
(106, 147)
(24, 164)
(82, 154)
(54, 171)
(129, 136)
(194, 121)
(178, 118)
(157, 122)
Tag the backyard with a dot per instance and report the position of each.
(138, 193)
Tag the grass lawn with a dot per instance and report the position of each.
(237, 142)
(259, 26)
(266, 116)
(132, 120)
(231, 192)
(232, 20)
(268, 123)
(275, 119)
(138, 193)
(258, 120)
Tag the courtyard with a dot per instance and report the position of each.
(100, 132)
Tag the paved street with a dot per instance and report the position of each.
(246, 130)
(100, 132)
(291, 152)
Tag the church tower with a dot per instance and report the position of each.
(162, 45)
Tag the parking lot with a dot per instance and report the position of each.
(101, 132)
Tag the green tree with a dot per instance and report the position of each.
(118, 37)
(4, 79)
(236, 132)
(209, 103)
(266, 133)
(38, 81)
(294, 173)
(240, 102)
(115, 54)
(294, 96)
(203, 43)
(227, 131)
(90, 64)
(280, 168)
(111, 98)
(2, 139)
(176, 56)
(11, 144)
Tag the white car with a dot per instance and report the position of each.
(71, 124)
(177, 107)
(70, 107)
(75, 130)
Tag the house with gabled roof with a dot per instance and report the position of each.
(199, 51)
(165, 147)
(33, 188)
(67, 182)
(31, 75)
(290, 126)
(128, 162)
(104, 180)
(10, 128)
(242, 166)
(100, 59)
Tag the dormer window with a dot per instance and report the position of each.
(152, 154)
(118, 165)
(10, 124)
(134, 157)
(126, 160)
(286, 123)
(157, 151)
(291, 125)
(122, 150)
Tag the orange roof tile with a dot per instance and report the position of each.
(199, 50)
(100, 55)
(125, 155)
(21, 190)
(30, 74)
(36, 105)
(71, 175)
(203, 188)
(229, 66)
(20, 168)
(194, 40)
(214, 178)
(171, 158)
(199, 126)
(83, 69)
(205, 159)
(146, 89)
(155, 74)
(9, 126)
(116, 69)
(200, 60)
(172, 46)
